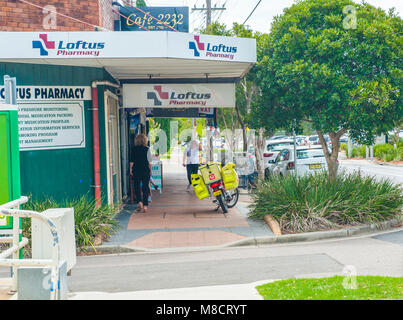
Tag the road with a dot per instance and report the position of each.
(370, 255)
(393, 173)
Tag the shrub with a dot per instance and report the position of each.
(385, 152)
(89, 220)
(359, 152)
(344, 147)
(380, 150)
(313, 202)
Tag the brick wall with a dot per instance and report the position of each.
(18, 16)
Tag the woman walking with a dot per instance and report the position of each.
(191, 160)
(141, 170)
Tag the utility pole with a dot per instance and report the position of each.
(208, 5)
(209, 9)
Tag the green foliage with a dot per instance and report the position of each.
(359, 152)
(315, 69)
(141, 3)
(344, 147)
(367, 288)
(385, 152)
(313, 202)
(90, 221)
(247, 91)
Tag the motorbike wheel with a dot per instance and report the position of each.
(232, 198)
(222, 203)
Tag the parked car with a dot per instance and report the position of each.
(278, 137)
(310, 140)
(314, 140)
(344, 138)
(300, 140)
(309, 160)
(273, 147)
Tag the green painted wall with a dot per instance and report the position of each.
(65, 172)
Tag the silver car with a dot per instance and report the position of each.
(309, 160)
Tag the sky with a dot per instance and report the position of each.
(238, 10)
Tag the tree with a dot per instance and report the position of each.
(247, 94)
(141, 3)
(336, 64)
(246, 90)
(396, 130)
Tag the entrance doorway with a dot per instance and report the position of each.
(113, 148)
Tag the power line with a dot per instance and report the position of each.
(252, 11)
(209, 9)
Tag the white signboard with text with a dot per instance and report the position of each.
(51, 125)
(93, 45)
(50, 93)
(201, 95)
(51, 117)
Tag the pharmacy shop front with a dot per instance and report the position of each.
(77, 91)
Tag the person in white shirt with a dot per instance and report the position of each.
(191, 159)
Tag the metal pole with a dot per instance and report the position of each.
(295, 146)
(208, 5)
(349, 147)
(209, 133)
(194, 124)
(10, 90)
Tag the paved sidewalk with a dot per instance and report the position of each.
(177, 218)
(228, 292)
(5, 287)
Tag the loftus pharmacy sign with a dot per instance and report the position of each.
(46, 93)
(179, 95)
(215, 49)
(91, 46)
(80, 47)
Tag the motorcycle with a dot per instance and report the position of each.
(219, 182)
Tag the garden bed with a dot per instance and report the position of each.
(315, 203)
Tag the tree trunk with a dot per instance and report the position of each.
(396, 133)
(332, 158)
(259, 149)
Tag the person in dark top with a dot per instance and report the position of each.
(141, 170)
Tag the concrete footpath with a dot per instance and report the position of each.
(5, 287)
(177, 218)
(227, 292)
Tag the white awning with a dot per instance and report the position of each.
(135, 55)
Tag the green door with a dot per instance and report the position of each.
(10, 186)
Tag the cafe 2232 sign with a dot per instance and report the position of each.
(154, 18)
